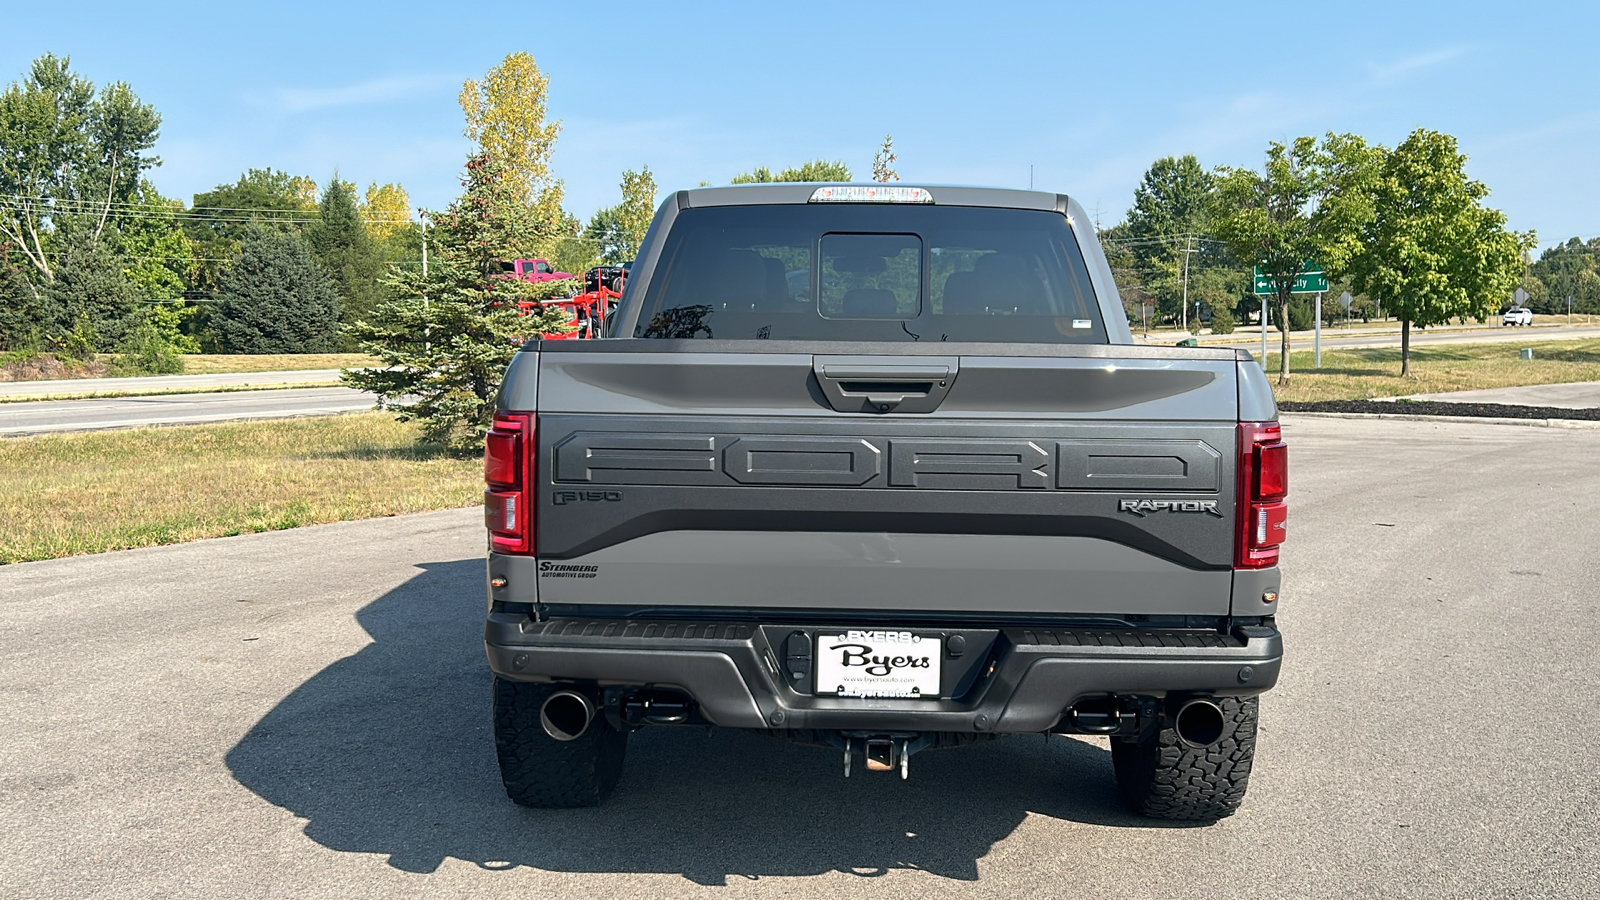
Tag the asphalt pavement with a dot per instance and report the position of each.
(40, 416)
(56, 387)
(305, 713)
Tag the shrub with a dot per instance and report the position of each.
(1222, 320)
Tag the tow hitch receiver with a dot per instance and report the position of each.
(883, 754)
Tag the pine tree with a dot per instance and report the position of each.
(94, 304)
(276, 299)
(444, 343)
(341, 244)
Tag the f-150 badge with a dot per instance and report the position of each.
(1141, 508)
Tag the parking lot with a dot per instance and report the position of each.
(306, 714)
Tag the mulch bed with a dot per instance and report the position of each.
(1436, 408)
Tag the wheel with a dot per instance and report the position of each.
(1165, 778)
(539, 770)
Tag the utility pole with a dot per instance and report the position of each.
(1188, 240)
(423, 215)
(1569, 309)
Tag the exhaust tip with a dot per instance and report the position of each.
(566, 715)
(1200, 723)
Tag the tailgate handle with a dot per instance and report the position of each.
(858, 386)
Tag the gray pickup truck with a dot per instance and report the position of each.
(880, 468)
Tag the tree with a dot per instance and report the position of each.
(1566, 270)
(160, 257)
(883, 161)
(815, 170)
(259, 197)
(69, 157)
(604, 235)
(219, 218)
(340, 243)
(506, 119)
(1174, 197)
(1124, 271)
(638, 208)
(93, 303)
(1167, 238)
(276, 299)
(27, 317)
(617, 231)
(387, 215)
(1431, 251)
(387, 210)
(305, 190)
(121, 128)
(444, 343)
(1310, 203)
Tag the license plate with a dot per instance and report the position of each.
(878, 664)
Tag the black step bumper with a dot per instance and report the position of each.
(1024, 683)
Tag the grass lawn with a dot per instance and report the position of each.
(111, 393)
(1162, 333)
(1365, 374)
(209, 363)
(22, 366)
(66, 494)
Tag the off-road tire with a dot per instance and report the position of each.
(1164, 778)
(542, 772)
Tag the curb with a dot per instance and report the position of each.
(1571, 424)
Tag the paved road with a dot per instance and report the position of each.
(12, 389)
(305, 714)
(39, 416)
(1423, 338)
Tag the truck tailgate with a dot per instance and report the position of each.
(1082, 481)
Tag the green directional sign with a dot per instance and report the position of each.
(1309, 280)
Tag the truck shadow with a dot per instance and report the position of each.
(389, 751)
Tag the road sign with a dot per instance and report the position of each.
(1520, 296)
(1345, 300)
(1309, 280)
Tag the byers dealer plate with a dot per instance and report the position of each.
(878, 664)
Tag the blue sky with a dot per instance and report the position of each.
(1086, 94)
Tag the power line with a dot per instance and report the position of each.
(205, 213)
(187, 216)
(123, 203)
(1162, 239)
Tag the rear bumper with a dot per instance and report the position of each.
(1027, 680)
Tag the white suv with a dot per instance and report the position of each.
(1517, 315)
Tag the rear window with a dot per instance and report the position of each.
(846, 272)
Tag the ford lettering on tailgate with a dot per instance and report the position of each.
(591, 457)
(986, 464)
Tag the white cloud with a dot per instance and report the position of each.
(1391, 70)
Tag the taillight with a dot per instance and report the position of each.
(508, 472)
(1263, 486)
